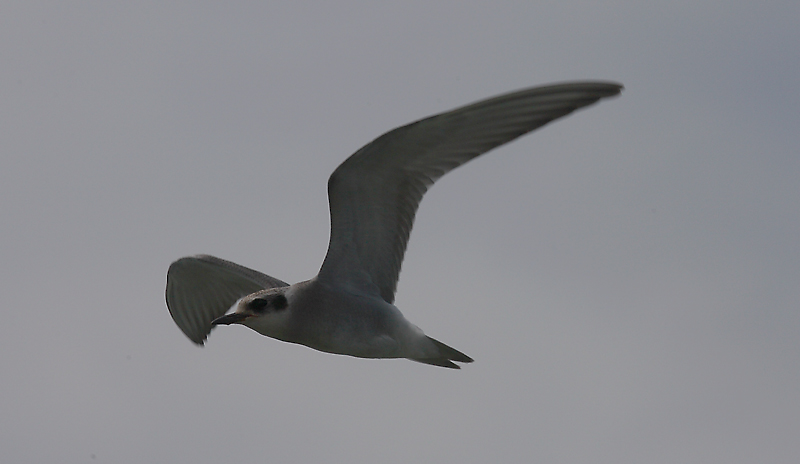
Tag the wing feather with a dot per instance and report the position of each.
(202, 288)
(375, 193)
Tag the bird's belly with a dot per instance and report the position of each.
(361, 330)
(382, 346)
(359, 338)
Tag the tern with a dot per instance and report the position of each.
(373, 195)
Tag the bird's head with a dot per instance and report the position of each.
(265, 311)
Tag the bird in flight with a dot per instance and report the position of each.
(374, 194)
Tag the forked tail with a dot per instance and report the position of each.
(446, 356)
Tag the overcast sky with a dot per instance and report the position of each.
(627, 279)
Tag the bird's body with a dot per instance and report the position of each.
(335, 320)
(348, 307)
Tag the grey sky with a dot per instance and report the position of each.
(626, 279)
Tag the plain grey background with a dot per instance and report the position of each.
(627, 279)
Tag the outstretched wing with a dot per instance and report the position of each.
(202, 288)
(375, 193)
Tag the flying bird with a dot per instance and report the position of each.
(373, 195)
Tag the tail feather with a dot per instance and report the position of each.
(446, 356)
(438, 362)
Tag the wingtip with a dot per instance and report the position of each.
(199, 341)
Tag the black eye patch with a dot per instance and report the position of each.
(279, 302)
(258, 305)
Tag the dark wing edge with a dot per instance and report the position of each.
(202, 288)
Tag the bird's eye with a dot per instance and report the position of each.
(258, 305)
(280, 302)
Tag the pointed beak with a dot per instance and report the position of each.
(231, 318)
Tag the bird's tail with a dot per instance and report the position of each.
(446, 356)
